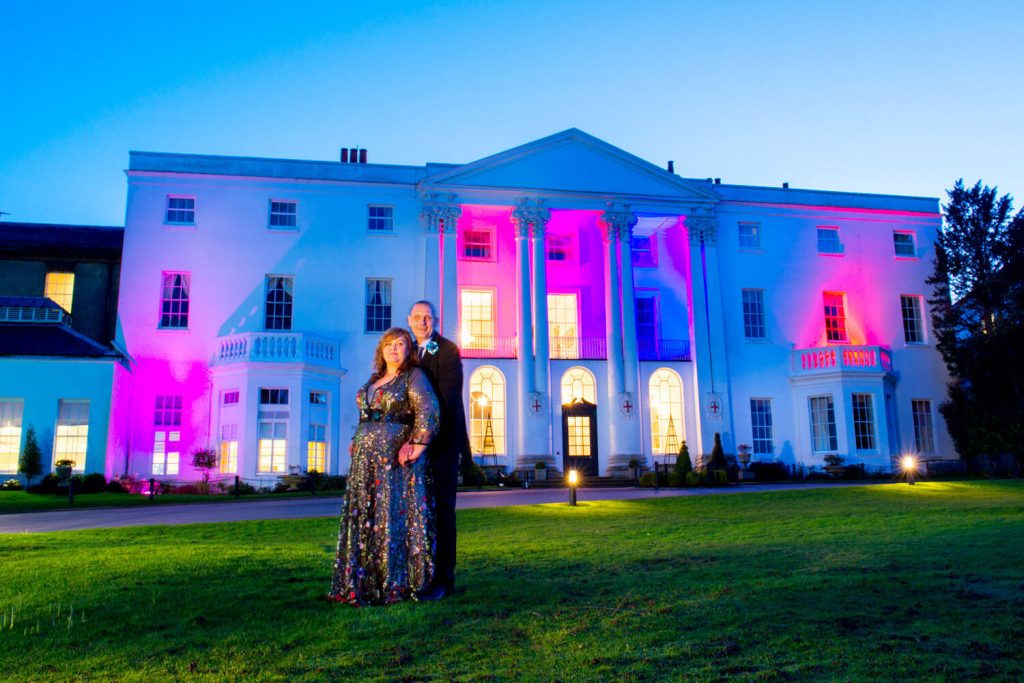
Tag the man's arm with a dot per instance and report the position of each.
(449, 378)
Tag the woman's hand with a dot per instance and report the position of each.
(352, 447)
(410, 452)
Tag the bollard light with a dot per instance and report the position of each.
(573, 478)
(910, 468)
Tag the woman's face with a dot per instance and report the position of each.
(395, 349)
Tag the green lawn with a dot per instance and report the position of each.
(19, 501)
(866, 583)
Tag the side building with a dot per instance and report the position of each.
(607, 309)
(59, 370)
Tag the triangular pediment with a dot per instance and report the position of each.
(571, 161)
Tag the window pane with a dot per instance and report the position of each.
(913, 325)
(761, 426)
(835, 316)
(903, 244)
(174, 301)
(381, 219)
(863, 422)
(278, 304)
(924, 432)
(563, 331)
(60, 288)
(477, 317)
(750, 235)
(828, 241)
(823, 424)
(378, 305)
(753, 314)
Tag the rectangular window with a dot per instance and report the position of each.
(167, 412)
(283, 213)
(924, 432)
(378, 304)
(11, 411)
(273, 397)
(174, 301)
(823, 424)
(60, 289)
(559, 247)
(828, 241)
(181, 210)
(477, 316)
(318, 398)
(380, 218)
(761, 425)
(273, 446)
(646, 318)
(278, 303)
(645, 253)
(913, 320)
(317, 448)
(903, 243)
(750, 235)
(835, 316)
(476, 244)
(563, 326)
(166, 452)
(72, 436)
(230, 398)
(753, 314)
(579, 436)
(863, 422)
(229, 449)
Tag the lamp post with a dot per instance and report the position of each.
(573, 479)
(910, 468)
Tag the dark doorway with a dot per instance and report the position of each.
(579, 438)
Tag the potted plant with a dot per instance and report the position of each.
(63, 469)
(540, 471)
(295, 477)
(834, 464)
(744, 455)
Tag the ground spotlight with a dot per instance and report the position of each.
(573, 479)
(909, 464)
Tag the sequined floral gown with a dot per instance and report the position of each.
(386, 543)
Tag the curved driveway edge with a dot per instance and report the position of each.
(295, 508)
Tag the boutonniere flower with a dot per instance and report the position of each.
(431, 347)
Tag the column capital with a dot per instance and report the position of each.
(440, 213)
(702, 226)
(617, 221)
(530, 215)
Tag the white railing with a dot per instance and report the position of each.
(26, 314)
(277, 347)
(841, 359)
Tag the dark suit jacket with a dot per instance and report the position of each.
(444, 368)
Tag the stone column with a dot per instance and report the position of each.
(440, 216)
(624, 408)
(708, 336)
(524, 365)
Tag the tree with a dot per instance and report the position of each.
(717, 460)
(205, 459)
(31, 462)
(683, 463)
(978, 319)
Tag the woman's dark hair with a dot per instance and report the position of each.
(380, 366)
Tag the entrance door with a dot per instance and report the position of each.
(579, 437)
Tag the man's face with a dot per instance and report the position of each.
(421, 322)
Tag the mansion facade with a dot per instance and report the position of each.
(607, 310)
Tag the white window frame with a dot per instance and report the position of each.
(559, 244)
(70, 439)
(286, 221)
(487, 404)
(175, 319)
(489, 246)
(913, 324)
(284, 310)
(864, 428)
(896, 244)
(754, 318)
(60, 288)
(384, 310)
(187, 214)
(560, 345)
(829, 240)
(750, 240)
(825, 430)
(12, 413)
(762, 430)
(228, 451)
(924, 425)
(838, 303)
(644, 257)
(380, 219)
(478, 332)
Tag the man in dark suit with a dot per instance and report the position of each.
(440, 359)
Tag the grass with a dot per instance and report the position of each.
(866, 583)
(12, 502)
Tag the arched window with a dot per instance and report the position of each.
(487, 412)
(666, 406)
(578, 383)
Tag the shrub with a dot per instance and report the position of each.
(675, 480)
(11, 485)
(31, 462)
(281, 487)
(769, 471)
(540, 465)
(48, 484)
(115, 486)
(721, 477)
(472, 473)
(244, 489)
(717, 460)
(92, 483)
(648, 480)
(189, 489)
(834, 460)
(694, 478)
(334, 483)
(683, 463)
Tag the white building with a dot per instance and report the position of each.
(607, 309)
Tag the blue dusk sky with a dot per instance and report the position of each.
(887, 97)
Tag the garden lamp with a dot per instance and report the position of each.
(573, 478)
(910, 468)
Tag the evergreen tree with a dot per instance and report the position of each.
(31, 462)
(717, 460)
(978, 319)
(683, 463)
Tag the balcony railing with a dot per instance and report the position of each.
(663, 349)
(490, 347)
(277, 347)
(841, 359)
(577, 348)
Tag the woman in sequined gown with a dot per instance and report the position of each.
(386, 543)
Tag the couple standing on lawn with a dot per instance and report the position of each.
(397, 538)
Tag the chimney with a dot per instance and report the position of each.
(671, 167)
(362, 156)
(785, 186)
(718, 181)
(344, 155)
